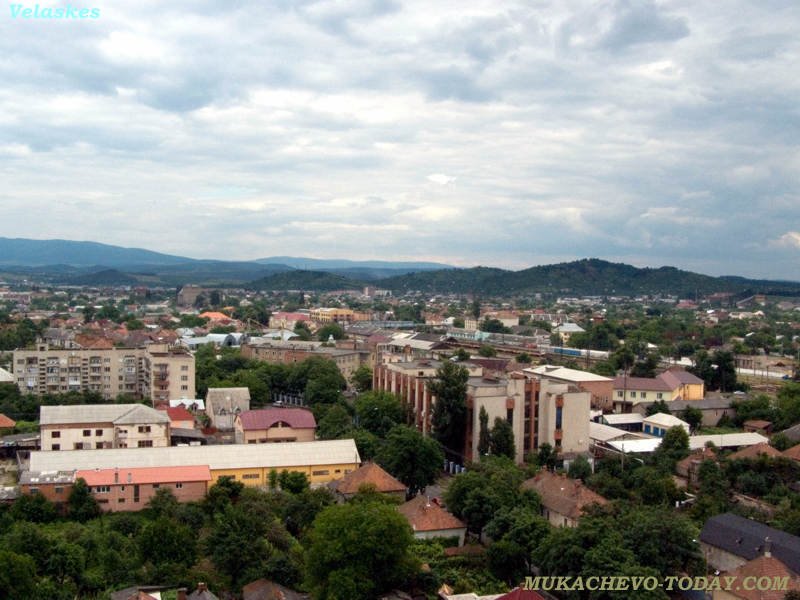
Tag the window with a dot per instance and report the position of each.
(99, 445)
(33, 490)
(184, 388)
(320, 473)
(620, 394)
(87, 432)
(59, 490)
(144, 428)
(644, 394)
(660, 396)
(121, 500)
(184, 378)
(145, 443)
(55, 434)
(559, 415)
(250, 476)
(55, 447)
(156, 486)
(98, 432)
(184, 367)
(102, 489)
(178, 486)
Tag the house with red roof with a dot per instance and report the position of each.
(275, 424)
(368, 475)
(429, 520)
(563, 499)
(179, 417)
(131, 489)
(6, 423)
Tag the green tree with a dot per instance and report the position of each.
(17, 575)
(164, 503)
(580, 469)
(223, 493)
(379, 411)
(362, 378)
(501, 439)
(674, 447)
(81, 505)
(693, 416)
(293, 482)
(357, 551)
(331, 329)
(414, 459)
(34, 508)
(493, 326)
(487, 351)
(237, 545)
(167, 541)
(302, 330)
(450, 410)
(483, 434)
(335, 423)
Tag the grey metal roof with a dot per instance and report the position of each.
(100, 413)
(745, 538)
(232, 456)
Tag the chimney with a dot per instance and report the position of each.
(116, 475)
(767, 547)
(181, 593)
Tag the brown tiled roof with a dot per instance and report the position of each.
(262, 589)
(793, 453)
(563, 495)
(424, 515)
(641, 383)
(5, 422)
(369, 474)
(678, 377)
(765, 566)
(755, 452)
(264, 418)
(521, 594)
(699, 455)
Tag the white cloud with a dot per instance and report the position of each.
(505, 134)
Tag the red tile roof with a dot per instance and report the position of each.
(563, 495)
(264, 418)
(369, 474)
(179, 413)
(793, 453)
(765, 566)
(144, 475)
(5, 422)
(755, 452)
(424, 515)
(521, 594)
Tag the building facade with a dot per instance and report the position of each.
(155, 372)
(102, 426)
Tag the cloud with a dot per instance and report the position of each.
(790, 239)
(507, 134)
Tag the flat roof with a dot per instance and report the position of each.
(230, 456)
(696, 442)
(565, 374)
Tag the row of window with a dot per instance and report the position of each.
(621, 394)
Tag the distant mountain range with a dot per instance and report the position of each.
(94, 264)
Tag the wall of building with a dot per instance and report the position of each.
(274, 434)
(92, 436)
(259, 476)
(130, 496)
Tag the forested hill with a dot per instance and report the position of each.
(319, 281)
(582, 277)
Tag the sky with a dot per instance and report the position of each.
(506, 134)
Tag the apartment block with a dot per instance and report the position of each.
(538, 409)
(155, 372)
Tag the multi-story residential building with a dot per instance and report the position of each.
(287, 320)
(101, 426)
(171, 372)
(155, 372)
(332, 315)
(538, 409)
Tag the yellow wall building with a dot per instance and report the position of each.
(322, 461)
